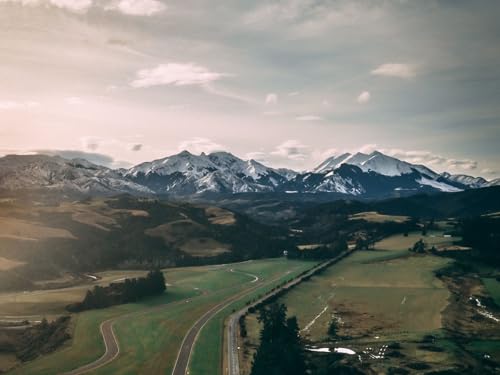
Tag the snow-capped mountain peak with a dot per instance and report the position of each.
(370, 175)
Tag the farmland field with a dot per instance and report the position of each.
(162, 321)
(353, 290)
(493, 289)
(376, 296)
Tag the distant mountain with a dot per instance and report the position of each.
(55, 174)
(467, 181)
(374, 162)
(373, 175)
(218, 172)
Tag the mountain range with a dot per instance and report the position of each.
(373, 175)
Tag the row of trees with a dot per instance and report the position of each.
(280, 351)
(131, 290)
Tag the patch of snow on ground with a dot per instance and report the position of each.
(344, 351)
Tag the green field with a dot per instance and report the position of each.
(150, 333)
(207, 356)
(388, 292)
(493, 289)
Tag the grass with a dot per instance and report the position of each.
(493, 289)
(375, 217)
(49, 303)
(354, 288)
(7, 264)
(151, 336)
(29, 230)
(207, 355)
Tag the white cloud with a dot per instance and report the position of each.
(364, 97)
(198, 145)
(294, 93)
(272, 113)
(291, 149)
(308, 118)
(257, 155)
(76, 6)
(368, 148)
(395, 70)
(11, 105)
(128, 7)
(271, 98)
(137, 7)
(433, 160)
(175, 74)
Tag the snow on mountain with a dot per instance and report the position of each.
(19, 172)
(376, 162)
(184, 162)
(472, 182)
(442, 186)
(495, 182)
(371, 175)
(332, 162)
(216, 172)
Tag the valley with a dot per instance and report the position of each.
(414, 292)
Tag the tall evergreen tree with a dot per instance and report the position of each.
(280, 351)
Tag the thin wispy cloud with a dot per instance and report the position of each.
(395, 70)
(308, 118)
(175, 74)
(127, 7)
(76, 6)
(73, 100)
(197, 145)
(12, 104)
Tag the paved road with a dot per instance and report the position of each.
(184, 354)
(232, 328)
(111, 343)
(112, 349)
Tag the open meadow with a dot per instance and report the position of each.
(376, 296)
(150, 332)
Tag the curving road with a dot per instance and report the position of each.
(111, 342)
(112, 349)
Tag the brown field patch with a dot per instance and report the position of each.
(220, 216)
(7, 264)
(375, 217)
(31, 231)
(202, 247)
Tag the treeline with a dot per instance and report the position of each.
(483, 235)
(280, 350)
(131, 290)
(322, 252)
(27, 344)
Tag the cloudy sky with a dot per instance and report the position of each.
(285, 82)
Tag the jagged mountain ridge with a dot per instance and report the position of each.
(371, 175)
(33, 172)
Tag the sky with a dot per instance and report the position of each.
(287, 83)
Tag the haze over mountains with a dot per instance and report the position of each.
(373, 175)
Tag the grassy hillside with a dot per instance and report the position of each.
(42, 241)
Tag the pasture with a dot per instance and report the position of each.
(493, 288)
(151, 332)
(387, 293)
(375, 217)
